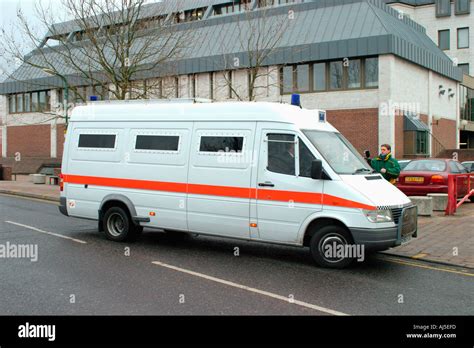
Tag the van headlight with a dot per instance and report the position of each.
(378, 215)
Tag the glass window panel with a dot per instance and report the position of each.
(12, 104)
(443, 39)
(19, 103)
(221, 144)
(463, 6)
(371, 72)
(463, 38)
(157, 142)
(281, 153)
(306, 159)
(335, 74)
(319, 77)
(353, 74)
(464, 68)
(34, 102)
(302, 77)
(42, 101)
(27, 102)
(98, 141)
(287, 79)
(443, 8)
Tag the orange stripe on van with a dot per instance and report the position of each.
(223, 191)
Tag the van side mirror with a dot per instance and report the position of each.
(316, 169)
(367, 153)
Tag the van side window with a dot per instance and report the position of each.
(281, 153)
(157, 142)
(221, 144)
(306, 158)
(97, 141)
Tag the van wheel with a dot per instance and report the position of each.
(119, 227)
(325, 244)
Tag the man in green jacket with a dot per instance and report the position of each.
(386, 164)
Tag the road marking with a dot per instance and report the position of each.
(46, 232)
(244, 287)
(414, 264)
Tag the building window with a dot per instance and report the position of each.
(464, 68)
(443, 8)
(335, 75)
(29, 102)
(211, 86)
(302, 78)
(287, 83)
(371, 72)
(157, 142)
(443, 39)
(319, 77)
(97, 141)
(221, 144)
(229, 83)
(353, 74)
(466, 103)
(193, 86)
(463, 38)
(12, 104)
(327, 76)
(463, 7)
(34, 102)
(19, 103)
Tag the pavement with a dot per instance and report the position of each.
(443, 239)
(78, 271)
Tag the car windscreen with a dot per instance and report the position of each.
(338, 152)
(426, 166)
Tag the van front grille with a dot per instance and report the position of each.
(396, 212)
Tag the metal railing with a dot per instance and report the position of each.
(453, 182)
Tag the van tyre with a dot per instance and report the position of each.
(118, 226)
(326, 240)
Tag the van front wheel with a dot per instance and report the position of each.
(328, 247)
(118, 226)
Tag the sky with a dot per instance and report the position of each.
(8, 12)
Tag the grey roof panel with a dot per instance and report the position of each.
(331, 29)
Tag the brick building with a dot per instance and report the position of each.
(378, 74)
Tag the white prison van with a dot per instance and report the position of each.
(264, 172)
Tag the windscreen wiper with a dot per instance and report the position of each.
(360, 170)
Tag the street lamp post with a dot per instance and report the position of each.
(66, 90)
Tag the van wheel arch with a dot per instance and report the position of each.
(317, 224)
(107, 204)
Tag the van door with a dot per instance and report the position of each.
(286, 194)
(219, 184)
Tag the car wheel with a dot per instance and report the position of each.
(119, 227)
(326, 242)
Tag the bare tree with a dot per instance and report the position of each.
(108, 44)
(259, 34)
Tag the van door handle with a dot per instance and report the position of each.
(266, 184)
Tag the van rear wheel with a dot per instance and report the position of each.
(118, 225)
(328, 247)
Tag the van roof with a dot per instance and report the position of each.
(155, 110)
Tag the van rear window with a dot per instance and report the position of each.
(157, 142)
(97, 141)
(221, 144)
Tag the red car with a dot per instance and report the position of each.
(424, 176)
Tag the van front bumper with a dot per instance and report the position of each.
(62, 206)
(376, 239)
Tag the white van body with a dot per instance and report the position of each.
(212, 168)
